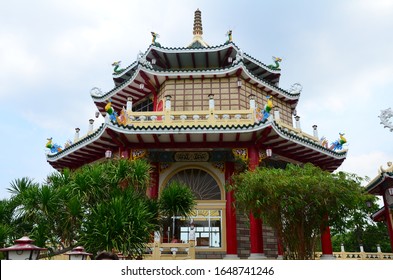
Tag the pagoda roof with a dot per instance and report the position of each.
(200, 57)
(380, 183)
(152, 77)
(284, 142)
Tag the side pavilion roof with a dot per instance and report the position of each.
(379, 184)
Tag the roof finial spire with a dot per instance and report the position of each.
(198, 23)
(197, 41)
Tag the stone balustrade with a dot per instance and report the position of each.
(170, 251)
(359, 256)
(191, 118)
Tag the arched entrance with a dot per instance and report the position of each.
(207, 216)
(202, 184)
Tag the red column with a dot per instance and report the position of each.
(327, 248)
(256, 235)
(230, 210)
(154, 180)
(388, 221)
(280, 248)
(256, 238)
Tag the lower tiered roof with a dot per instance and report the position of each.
(183, 130)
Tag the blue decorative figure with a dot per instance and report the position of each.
(338, 144)
(54, 148)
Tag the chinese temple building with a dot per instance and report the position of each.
(195, 113)
(382, 185)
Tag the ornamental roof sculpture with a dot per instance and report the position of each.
(197, 41)
(385, 117)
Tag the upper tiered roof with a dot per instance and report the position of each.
(152, 77)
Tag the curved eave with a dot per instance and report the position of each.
(263, 135)
(152, 80)
(125, 73)
(292, 145)
(88, 149)
(380, 183)
(200, 58)
(379, 216)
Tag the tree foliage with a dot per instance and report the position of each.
(296, 200)
(101, 206)
(359, 230)
(176, 199)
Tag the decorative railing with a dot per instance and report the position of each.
(297, 131)
(170, 251)
(359, 256)
(188, 118)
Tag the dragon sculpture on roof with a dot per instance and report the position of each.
(276, 65)
(154, 39)
(117, 69)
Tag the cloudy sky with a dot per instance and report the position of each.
(53, 52)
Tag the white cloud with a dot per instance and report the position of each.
(375, 9)
(365, 164)
(18, 64)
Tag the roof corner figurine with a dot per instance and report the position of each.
(389, 169)
(385, 117)
(338, 144)
(229, 34)
(153, 41)
(276, 65)
(54, 148)
(117, 69)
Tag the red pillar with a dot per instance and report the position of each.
(388, 221)
(256, 238)
(280, 248)
(154, 180)
(231, 229)
(327, 248)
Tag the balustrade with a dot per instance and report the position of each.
(170, 251)
(191, 118)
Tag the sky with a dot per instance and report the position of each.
(52, 53)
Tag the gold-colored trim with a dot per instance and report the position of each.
(192, 166)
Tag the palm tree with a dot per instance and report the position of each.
(19, 186)
(101, 200)
(124, 224)
(116, 212)
(7, 226)
(176, 199)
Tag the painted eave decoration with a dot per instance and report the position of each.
(263, 134)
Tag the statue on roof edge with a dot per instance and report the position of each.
(153, 41)
(276, 65)
(229, 34)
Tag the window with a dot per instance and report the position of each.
(201, 183)
(144, 106)
(208, 228)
